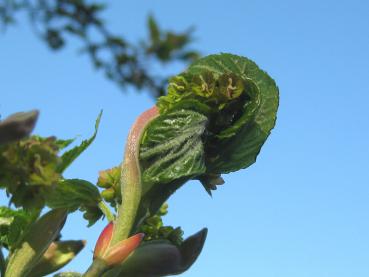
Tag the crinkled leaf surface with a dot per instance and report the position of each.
(214, 120)
(172, 147)
(241, 149)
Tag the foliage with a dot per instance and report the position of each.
(213, 121)
(122, 61)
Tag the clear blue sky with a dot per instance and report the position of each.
(302, 210)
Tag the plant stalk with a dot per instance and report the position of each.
(97, 268)
(106, 211)
(130, 181)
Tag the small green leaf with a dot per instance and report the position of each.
(68, 157)
(74, 194)
(64, 143)
(71, 194)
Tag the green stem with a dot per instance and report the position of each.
(97, 268)
(106, 211)
(130, 181)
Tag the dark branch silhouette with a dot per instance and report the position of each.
(124, 62)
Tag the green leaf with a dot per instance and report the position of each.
(241, 149)
(172, 148)
(68, 157)
(63, 143)
(73, 194)
(214, 120)
(36, 241)
(13, 224)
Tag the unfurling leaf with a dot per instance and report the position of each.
(214, 120)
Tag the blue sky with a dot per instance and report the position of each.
(302, 209)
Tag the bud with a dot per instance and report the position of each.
(103, 240)
(115, 254)
(109, 178)
(108, 194)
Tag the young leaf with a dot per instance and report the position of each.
(172, 148)
(239, 143)
(214, 120)
(73, 194)
(69, 156)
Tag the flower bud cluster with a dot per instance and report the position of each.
(109, 180)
